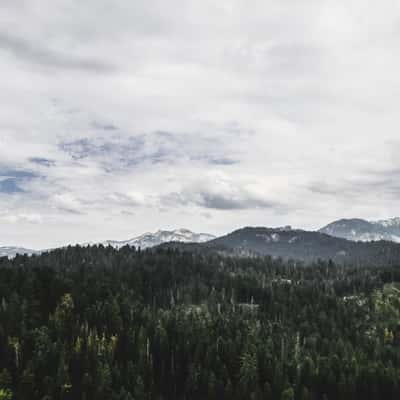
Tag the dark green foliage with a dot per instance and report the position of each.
(99, 324)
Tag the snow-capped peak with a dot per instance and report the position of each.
(362, 230)
(150, 239)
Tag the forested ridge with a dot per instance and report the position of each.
(97, 323)
(297, 244)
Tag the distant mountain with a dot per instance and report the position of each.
(11, 252)
(296, 244)
(361, 230)
(143, 241)
(154, 239)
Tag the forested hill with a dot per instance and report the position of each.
(95, 323)
(298, 244)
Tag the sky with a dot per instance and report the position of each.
(120, 117)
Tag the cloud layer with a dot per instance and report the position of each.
(124, 117)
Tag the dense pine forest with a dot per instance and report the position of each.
(95, 323)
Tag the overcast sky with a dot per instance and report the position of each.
(119, 117)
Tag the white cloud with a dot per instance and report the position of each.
(269, 107)
(8, 217)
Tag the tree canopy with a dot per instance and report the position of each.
(95, 323)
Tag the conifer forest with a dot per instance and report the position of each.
(94, 323)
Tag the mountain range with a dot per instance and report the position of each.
(343, 240)
(143, 241)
